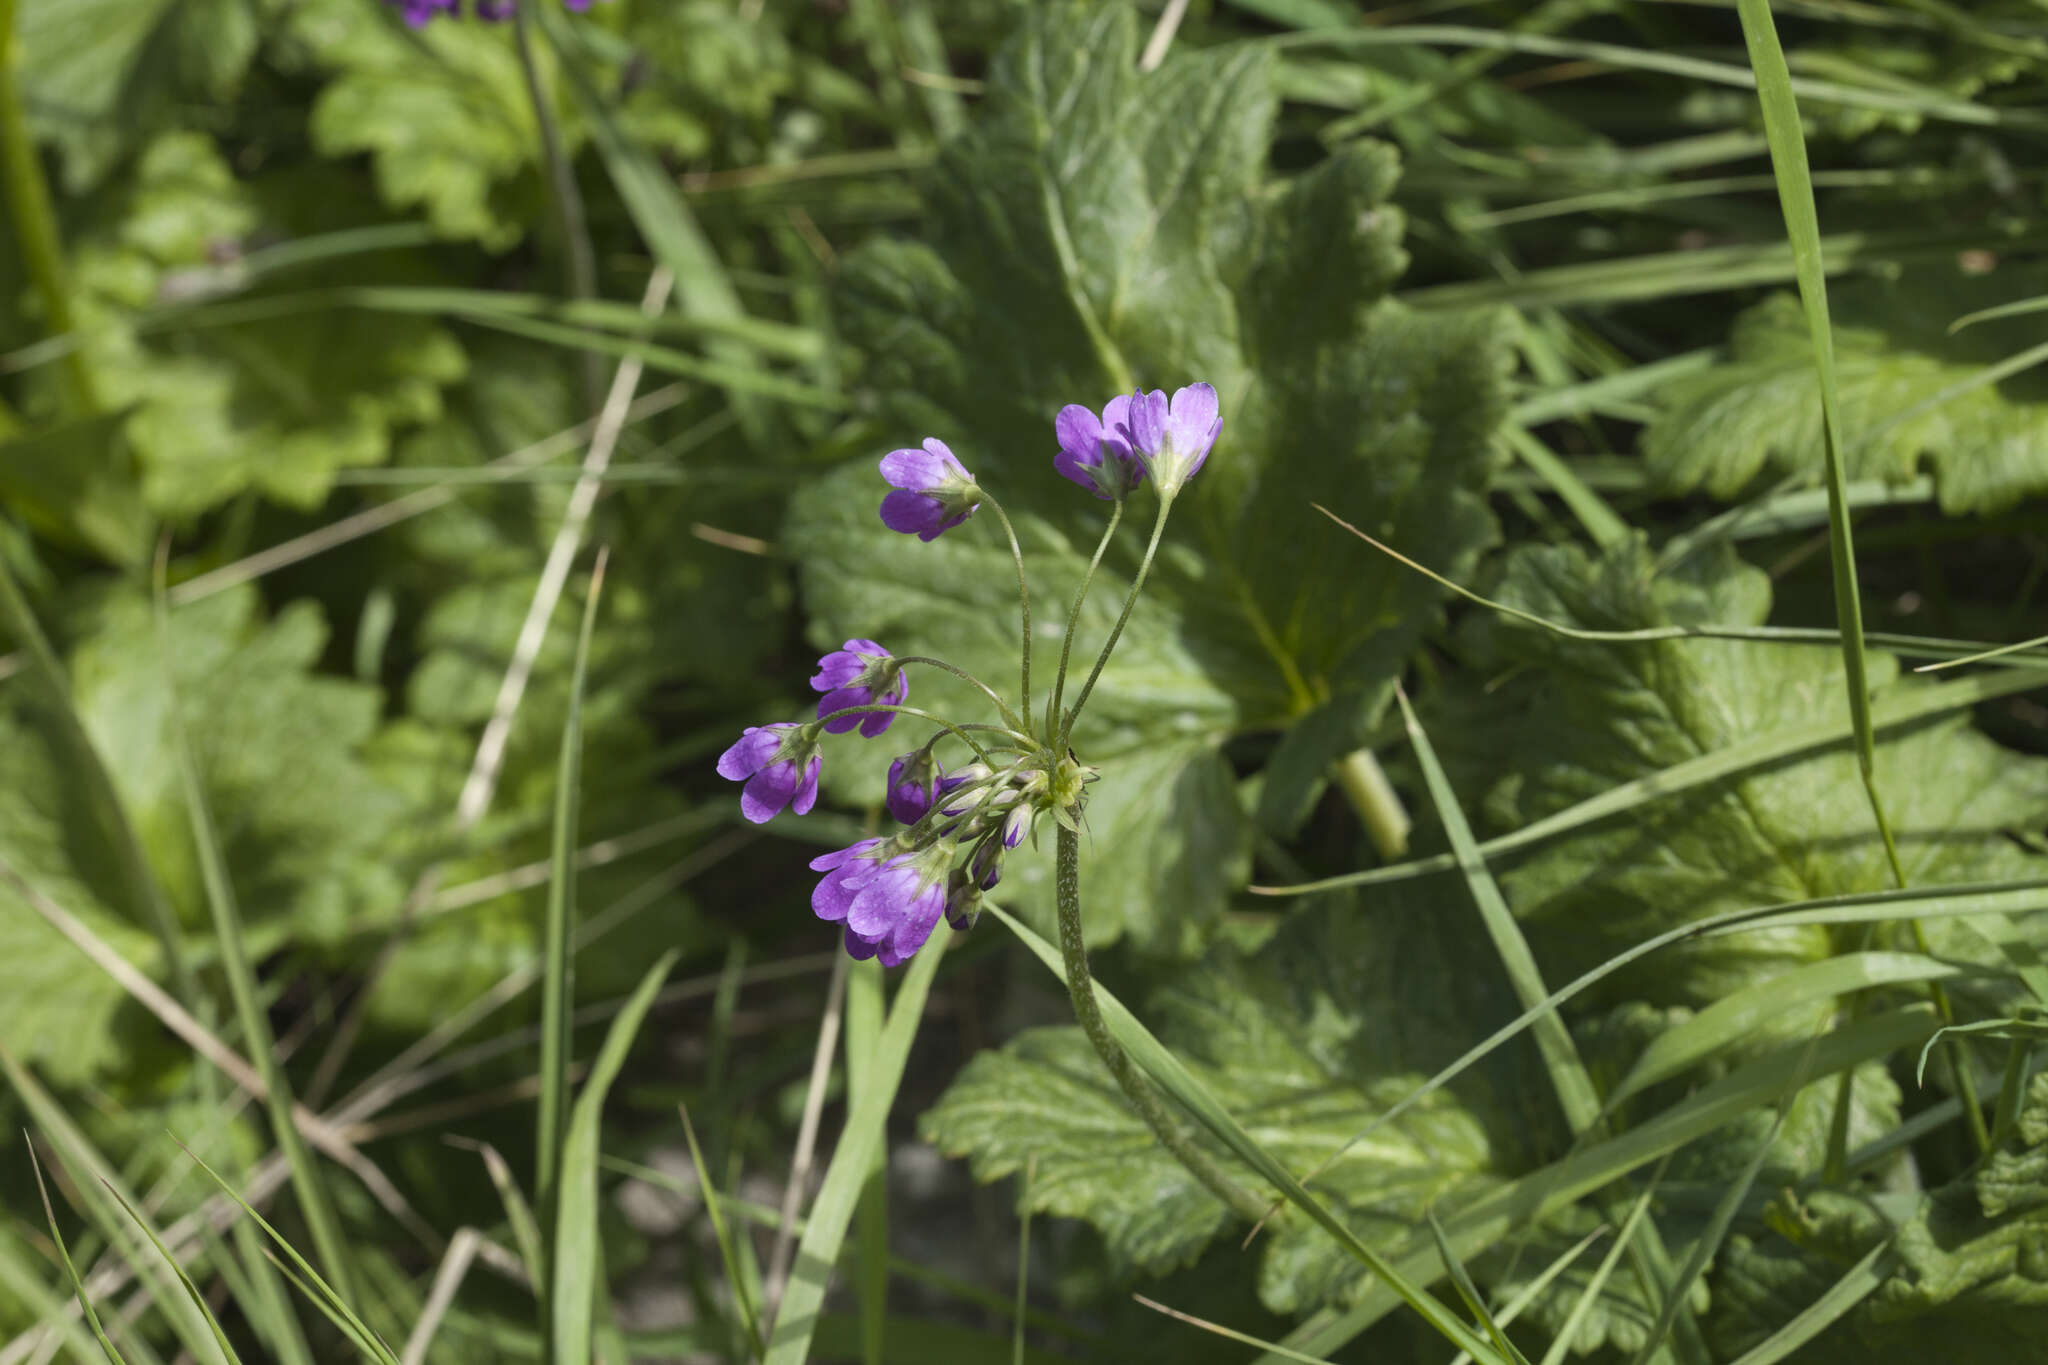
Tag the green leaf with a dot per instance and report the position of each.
(1591, 716)
(1100, 228)
(1305, 1042)
(100, 74)
(1968, 1284)
(276, 404)
(302, 820)
(75, 483)
(1917, 399)
(443, 114)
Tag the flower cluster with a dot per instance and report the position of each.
(419, 13)
(889, 892)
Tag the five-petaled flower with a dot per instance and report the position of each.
(862, 673)
(888, 901)
(779, 763)
(1095, 452)
(1173, 439)
(934, 492)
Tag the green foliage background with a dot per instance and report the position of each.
(318, 320)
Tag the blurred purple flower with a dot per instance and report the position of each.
(1173, 439)
(779, 764)
(1096, 452)
(862, 673)
(934, 492)
(888, 905)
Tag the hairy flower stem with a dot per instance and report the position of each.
(1117, 631)
(1010, 717)
(1023, 595)
(1059, 679)
(1143, 1098)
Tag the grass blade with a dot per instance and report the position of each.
(1787, 140)
(1576, 1094)
(864, 1010)
(308, 1182)
(558, 977)
(796, 1319)
(305, 1279)
(1736, 1018)
(1861, 1281)
(64, 1254)
(1561, 1345)
(1469, 1292)
(749, 1318)
(97, 1194)
(573, 1290)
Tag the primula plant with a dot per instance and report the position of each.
(889, 892)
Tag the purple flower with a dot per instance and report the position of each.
(916, 781)
(845, 871)
(934, 492)
(889, 905)
(779, 764)
(419, 12)
(860, 674)
(496, 11)
(1096, 452)
(1173, 440)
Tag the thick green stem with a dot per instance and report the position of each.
(34, 219)
(1023, 597)
(1378, 805)
(1059, 679)
(1117, 631)
(1081, 987)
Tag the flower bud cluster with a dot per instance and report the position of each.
(888, 892)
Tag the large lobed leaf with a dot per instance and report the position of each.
(1911, 391)
(1590, 716)
(1306, 1041)
(276, 404)
(1098, 229)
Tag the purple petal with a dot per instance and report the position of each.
(913, 927)
(807, 790)
(837, 669)
(915, 470)
(1080, 435)
(755, 747)
(767, 792)
(1147, 420)
(939, 450)
(876, 722)
(874, 907)
(1116, 422)
(1194, 419)
(858, 948)
(838, 701)
(912, 514)
(839, 857)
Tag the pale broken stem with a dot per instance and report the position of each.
(322, 1134)
(462, 1250)
(806, 1143)
(1162, 35)
(1139, 1091)
(482, 782)
(1378, 805)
